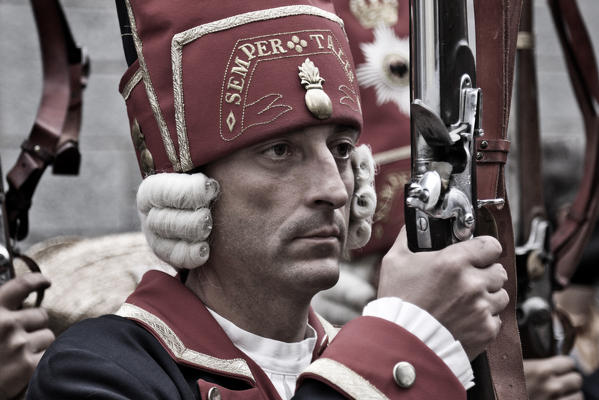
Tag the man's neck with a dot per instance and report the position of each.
(251, 306)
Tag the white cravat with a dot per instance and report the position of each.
(281, 361)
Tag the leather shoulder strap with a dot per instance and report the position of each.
(496, 34)
(573, 233)
(54, 136)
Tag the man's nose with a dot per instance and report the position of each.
(327, 188)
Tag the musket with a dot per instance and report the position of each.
(545, 259)
(446, 114)
(445, 118)
(442, 206)
(533, 254)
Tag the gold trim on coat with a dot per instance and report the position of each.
(236, 366)
(346, 379)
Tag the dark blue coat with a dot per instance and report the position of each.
(164, 344)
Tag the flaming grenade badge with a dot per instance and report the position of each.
(317, 101)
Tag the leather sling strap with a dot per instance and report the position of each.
(54, 135)
(530, 181)
(572, 234)
(496, 33)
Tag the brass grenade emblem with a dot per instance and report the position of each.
(318, 102)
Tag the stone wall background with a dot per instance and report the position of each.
(101, 199)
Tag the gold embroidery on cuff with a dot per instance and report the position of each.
(235, 366)
(166, 137)
(135, 79)
(185, 37)
(356, 386)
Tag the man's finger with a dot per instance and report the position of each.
(573, 396)
(32, 319)
(15, 291)
(481, 251)
(496, 277)
(499, 301)
(40, 340)
(560, 365)
(569, 383)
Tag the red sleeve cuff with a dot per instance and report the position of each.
(360, 362)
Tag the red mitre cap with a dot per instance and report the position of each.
(378, 34)
(215, 76)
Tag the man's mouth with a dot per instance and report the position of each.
(329, 233)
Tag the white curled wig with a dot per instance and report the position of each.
(363, 202)
(176, 219)
(175, 216)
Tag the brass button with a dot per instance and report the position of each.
(404, 374)
(214, 394)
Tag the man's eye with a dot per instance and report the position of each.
(343, 150)
(278, 151)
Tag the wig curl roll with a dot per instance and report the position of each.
(176, 218)
(363, 202)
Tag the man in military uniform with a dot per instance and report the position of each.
(245, 118)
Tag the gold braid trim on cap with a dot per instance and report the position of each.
(346, 379)
(152, 97)
(135, 79)
(185, 37)
(176, 347)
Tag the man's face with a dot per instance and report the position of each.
(281, 220)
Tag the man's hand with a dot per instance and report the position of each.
(24, 333)
(461, 286)
(552, 378)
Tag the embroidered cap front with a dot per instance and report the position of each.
(216, 76)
